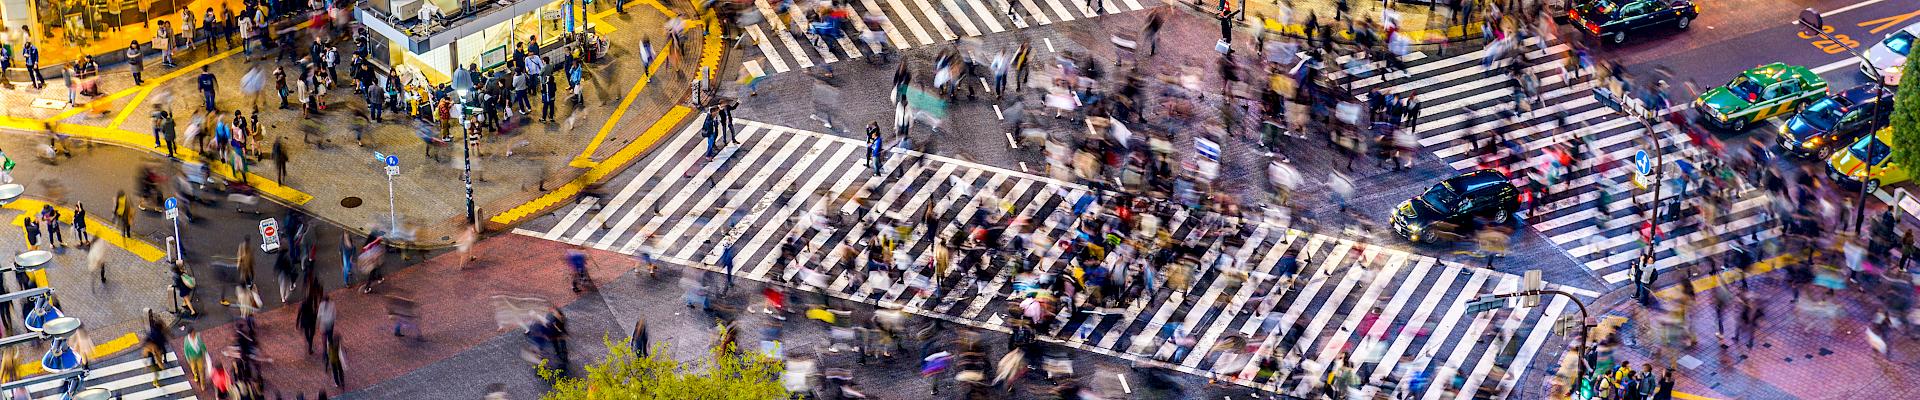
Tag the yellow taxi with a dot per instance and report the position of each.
(1851, 167)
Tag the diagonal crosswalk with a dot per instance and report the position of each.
(908, 24)
(1349, 300)
(127, 377)
(1460, 107)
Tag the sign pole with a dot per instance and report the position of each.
(179, 245)
(393, 169)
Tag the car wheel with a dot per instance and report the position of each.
(1683, 23)
(1873, 185)
(1619, 37)
(1737, 125)
(1501, 217)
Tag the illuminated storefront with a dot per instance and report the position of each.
(420, 45)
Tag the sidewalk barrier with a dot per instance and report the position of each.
(1449, 35)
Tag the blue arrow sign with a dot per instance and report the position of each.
(1641, 164)
(392, 161)
(172, 203)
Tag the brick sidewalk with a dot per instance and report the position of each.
(511, 169)
(1794, 354)
(453, 305)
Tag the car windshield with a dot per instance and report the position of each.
(1822, 114)
(1601, 11)
(1871, 150)
(1900, 42)
(1441, 198)
(1744, 88)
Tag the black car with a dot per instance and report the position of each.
(1457, 201)
(1613, 20)
(1836, 120)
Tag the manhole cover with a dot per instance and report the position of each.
(350, 202)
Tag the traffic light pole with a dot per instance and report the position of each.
(1815, 23)
(1584, 326)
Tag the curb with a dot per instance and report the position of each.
(711, 54)
(1421, 37)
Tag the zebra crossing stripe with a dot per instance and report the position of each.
(953, 10)
(686, 144)
(893, 30)
(723, 215)
(1237, 301)
(751, 251)
(1474, 330)
(125, 377)
(768, 197)
(907, 20)
(766, 48)
(1528, 349)
(1402, 340)
(1033, 11)
(572, 215)
(702, 174)
(1333, 346)
(1338, 283)
(626, 193)
(986, 15)
(1059, 10)
(933, 18)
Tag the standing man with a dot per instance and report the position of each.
(207, 81)
(280, 159)
(874, 146)
(725, 109)
(547, 88)
(30, 56)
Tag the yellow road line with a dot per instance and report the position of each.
(585, 160)
(100, 349)
(710, 54)
(156, 82)
(130, 108)
(1711, 281)
(99, 228)
(598, 171)
(1689, 396)
(142, 141)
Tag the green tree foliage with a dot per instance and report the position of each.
(727, 375)
(1906, 117)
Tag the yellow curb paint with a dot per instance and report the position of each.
(598, 171)
(1690, 396)
(144, 142)
(156, 82)
(710, 52)
(709, 58)
(101, 349)
(130, 108)
(101, 229)
(585, 160)
(1708, 282)
(1417, 37)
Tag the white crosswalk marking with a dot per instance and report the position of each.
(924, 23)
(1463, 107)
(130, 378)
(752, 195)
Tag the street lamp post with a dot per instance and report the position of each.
(462, 83)
(1815, 23)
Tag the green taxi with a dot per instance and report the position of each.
(1760, 93)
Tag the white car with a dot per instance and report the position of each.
(1891, 53)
